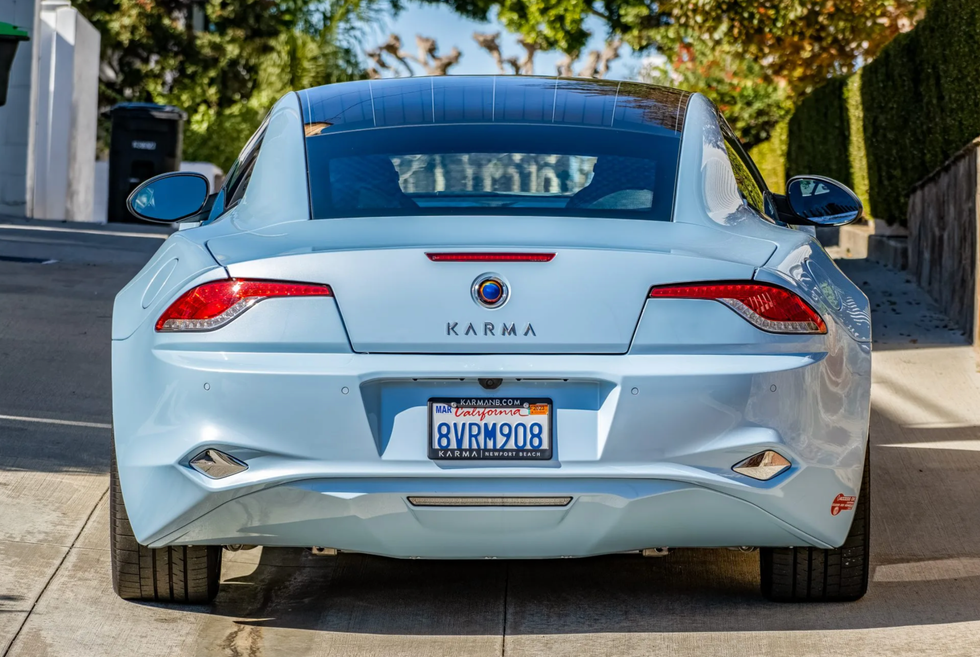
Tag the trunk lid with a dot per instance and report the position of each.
(394, 299)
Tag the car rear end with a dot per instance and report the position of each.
(489, 373)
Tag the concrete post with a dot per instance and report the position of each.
(16, 117)
(67, 112)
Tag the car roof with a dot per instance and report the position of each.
(387, 103)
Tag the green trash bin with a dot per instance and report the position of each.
(10, 37)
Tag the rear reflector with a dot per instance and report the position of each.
(490, 257)
(768, 307)
(490, 501)
(212, 305)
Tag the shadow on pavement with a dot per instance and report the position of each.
(903, 316)
(688, 591)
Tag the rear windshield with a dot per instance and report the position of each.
(493, 169)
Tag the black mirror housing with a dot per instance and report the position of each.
(818, 201)
(170, 197)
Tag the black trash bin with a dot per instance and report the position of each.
(147, 140)
(10, 38)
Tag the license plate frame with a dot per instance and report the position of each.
(479, 454)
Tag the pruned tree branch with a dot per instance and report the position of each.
(564, 64)
(597, 62)
(530, 48)
(609, 53)
(427, 57)
(591, 66)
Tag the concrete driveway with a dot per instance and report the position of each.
(56, 597)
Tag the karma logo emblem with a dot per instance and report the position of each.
(490, 329)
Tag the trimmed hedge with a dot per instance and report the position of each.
(856, 150)
(770, 157)
(823, 113)
(920, 100)
(825, 136)
(897, 120)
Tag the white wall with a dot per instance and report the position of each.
(67, 93)
(16, 125)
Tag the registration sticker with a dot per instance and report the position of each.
(842, 503)
(490, 428)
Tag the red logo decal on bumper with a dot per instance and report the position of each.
(842, 503)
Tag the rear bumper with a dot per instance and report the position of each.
(376, 517)
(336, 442)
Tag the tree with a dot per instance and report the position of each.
(223, 61)
(428, 57)
(751, 99)
(803, 41)
(596, 62)
(755, 56)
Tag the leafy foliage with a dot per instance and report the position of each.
(823, 111)
(770, 157)
(802, 41)
(825, 136)
(223, 61)
(752, 100)
(754, 56)
(920, 103)
(904, 114)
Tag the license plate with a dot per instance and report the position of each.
(490, 428)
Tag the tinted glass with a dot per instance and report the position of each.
(511, 99)
(493, 169)
(169, 199)
(238, 176)
(747, 176)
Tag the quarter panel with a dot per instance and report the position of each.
(175, 264)
(809, 271)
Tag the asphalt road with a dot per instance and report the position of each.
(56, 597)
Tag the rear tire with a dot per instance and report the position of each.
(187, 574)
(814, 575)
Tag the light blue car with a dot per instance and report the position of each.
(491, 317)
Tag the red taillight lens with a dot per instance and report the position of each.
(214, 304)
(490, 257)
(769, 307)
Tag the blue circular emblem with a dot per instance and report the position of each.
(490, 291)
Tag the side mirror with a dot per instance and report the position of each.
(818, 201)
(170, 197)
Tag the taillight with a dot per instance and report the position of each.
(768, 307)
(212, 305)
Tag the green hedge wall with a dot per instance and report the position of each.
(770, 157)
(823, 112)
(857, 151)
(897, 120)
(825, 136)
(921, 100)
